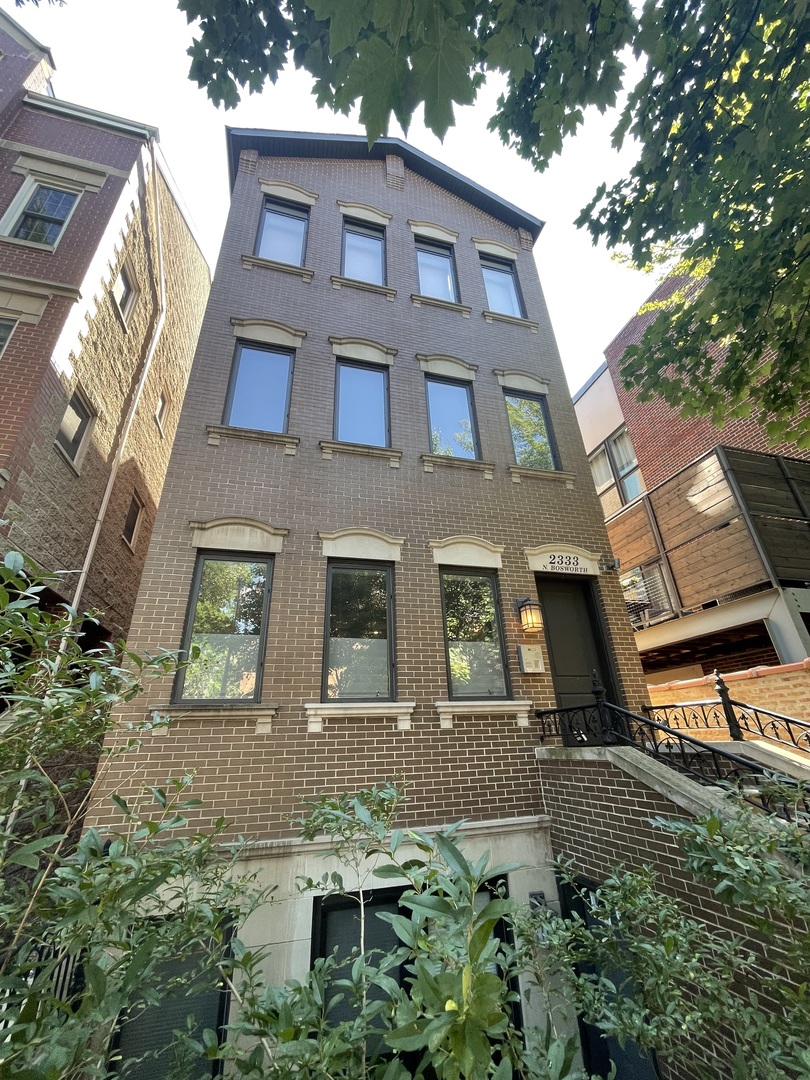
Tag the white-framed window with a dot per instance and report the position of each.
(132, 522)
(124, 291)
(161, 410)
(6, 330)
(40, 212)
(614, 466)
(74, 431)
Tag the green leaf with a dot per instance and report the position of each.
(13, 561)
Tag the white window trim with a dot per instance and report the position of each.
(363, 212)
(514, 379)
(127, 268)
(363, 349)
(361, 543)
(466, 551)
(6, 318)
(268, 332)
(449, 366)
(15, 211)
(318, 711)
(287, 192)
(520, 708)
(161, 415)
(138, 522)
(496, 248)
(75, 463)
(428, 230)
(238, 534)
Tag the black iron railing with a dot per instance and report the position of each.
(740, 719)
(605, 724)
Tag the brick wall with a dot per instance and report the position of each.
(483, 767)
(663, 441)
(782, 688)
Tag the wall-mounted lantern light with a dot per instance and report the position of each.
(531, 616)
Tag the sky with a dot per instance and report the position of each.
(128, 57)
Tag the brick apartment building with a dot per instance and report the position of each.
(102, 292)
(376, 465)
(712, 528)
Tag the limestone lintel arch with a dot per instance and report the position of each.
(361, 543)
(562, 558)
(268, 332)
(496, 248)
(431, 231)
(283, 189)
(363, 212)
(237, 534)
(372, 352)
(451, 366)
(514, 379)
(466, 551)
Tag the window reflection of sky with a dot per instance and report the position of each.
(451, 431)
(361, 406)
(363, 257)
(282, 238)
(436, 275)
(260, 395)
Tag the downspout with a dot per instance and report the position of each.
(147, 364)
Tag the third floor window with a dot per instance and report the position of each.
(361, 404)
(437, 271)
(259, 393)
(451, 421)
(503, 292)
(282, 233)
(363, 252)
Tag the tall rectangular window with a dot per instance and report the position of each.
(361, 404)
(259, 394)
(132, 521)
(437, 271)
(6, 330)
(624, 457)
(473, 635)
(227, 625)
(75, 426)
(531, 430)
(364, 252)
(45, 215)
(282, 233)
(358, 662)
(615, 471)
(450, 419)
(503, 293)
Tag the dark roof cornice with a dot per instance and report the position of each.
(304, 144)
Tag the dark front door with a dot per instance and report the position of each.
(574, 639)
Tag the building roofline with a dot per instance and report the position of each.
(91, 116)
(21, 35)
(589, 383)
(304, 144)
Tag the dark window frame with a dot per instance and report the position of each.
(473, 571)
(363, 366)
(27, 213)
(364, 228)
(437, 247)
(466, 385)
(504, 266)
(528, 395)
(203, 556)
(286, 209)
(136, 501)
(360, 564)
(618, 477)
(83, 431)
(233, 379)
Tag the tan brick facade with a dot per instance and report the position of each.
(72, 336)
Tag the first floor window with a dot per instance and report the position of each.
(450, 419)
(531, 430)
(503, 294)
(259, 394)
(359, 657)
(226, 627)
(282, 233)
(45, 215)
(473, 635)
(361, 404)
(75, 426)
(364, 252)
(6, 329)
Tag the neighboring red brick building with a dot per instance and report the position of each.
(102, 291)
(712, 527)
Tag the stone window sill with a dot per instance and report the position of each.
(50, 248)
(318, 711)
(519, 471)
(512, 320)
(216, 432)
(330, 448)
(339, 282)
(520, 708)
(263, 713)
(447, 305)
(251, 262)
(430, 461)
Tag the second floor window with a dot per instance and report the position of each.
(361, 404)
(615, 469)
(282, 233)
(503, 292)
(227, 622)
(358, 661)
(450, 419)
(259, 394)
(45, 215)
(363, 252)
(437, 271)
(531, 430)
(6, 330)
